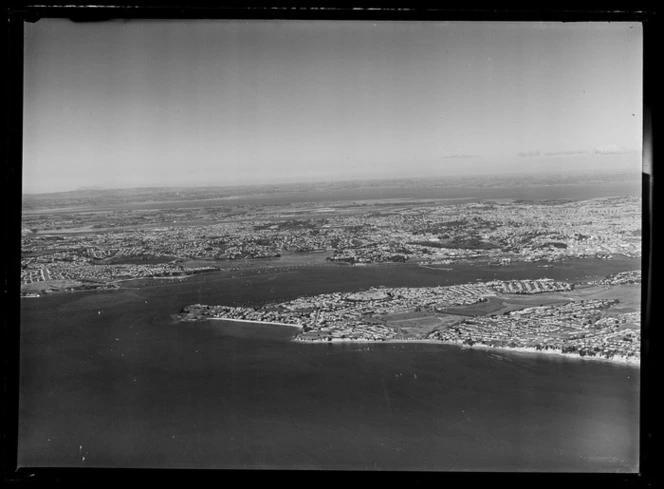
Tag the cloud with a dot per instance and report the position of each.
(455, 156)
(529, 154)
(564, 153)
(611, 149)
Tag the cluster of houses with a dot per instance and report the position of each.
(577, 327)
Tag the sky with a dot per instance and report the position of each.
(230, 102)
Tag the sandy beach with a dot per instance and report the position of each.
(529, 350)
(299, 326)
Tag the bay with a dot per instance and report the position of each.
(110, 379)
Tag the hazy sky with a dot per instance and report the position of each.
(143, 103)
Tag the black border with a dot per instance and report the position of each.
(20, 12)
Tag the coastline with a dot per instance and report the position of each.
(298, 326)
(622, 360)
(635, 362)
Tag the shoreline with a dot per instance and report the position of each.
(257, 269)
(298, 326)
(635, 362)
(621, 360)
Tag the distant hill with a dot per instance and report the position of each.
(99, 197)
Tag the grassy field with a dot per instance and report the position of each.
(419, 324)
(629, 296)
(490, 306)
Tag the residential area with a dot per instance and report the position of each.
(581, 327)
(489, 232)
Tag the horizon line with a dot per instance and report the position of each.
(369, 178)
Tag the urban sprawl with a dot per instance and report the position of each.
(138, 244)
(85, 250)
(584, 327)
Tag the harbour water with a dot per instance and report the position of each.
(110, 379)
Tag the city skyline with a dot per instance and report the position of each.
(189, 103)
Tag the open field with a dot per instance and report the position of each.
(422, 325)
(492, 305)
(628, 295)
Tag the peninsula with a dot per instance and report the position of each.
(598, 319)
